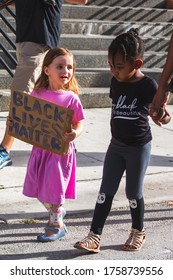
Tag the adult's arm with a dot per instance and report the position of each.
(161, 97)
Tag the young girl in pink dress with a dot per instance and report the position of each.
(51, 177)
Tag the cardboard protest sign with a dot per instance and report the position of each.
(39, 122)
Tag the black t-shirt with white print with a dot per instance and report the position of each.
(130, 110)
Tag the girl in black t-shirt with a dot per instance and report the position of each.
(130, 147)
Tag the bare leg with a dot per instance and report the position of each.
(5, 159)
(7, 141)
(5, 147)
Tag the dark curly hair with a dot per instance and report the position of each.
(128, 44)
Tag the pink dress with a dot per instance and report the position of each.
(51, 177)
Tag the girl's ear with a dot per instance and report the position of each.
(139, 63)
(46, 70)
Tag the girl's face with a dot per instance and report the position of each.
(122, 70)
(60, 71)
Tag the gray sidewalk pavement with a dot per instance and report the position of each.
(26, 217)
(91, 147)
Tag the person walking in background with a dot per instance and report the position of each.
(58, 85)
(130, 146)
(38, 28)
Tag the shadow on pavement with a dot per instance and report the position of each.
(20, 158)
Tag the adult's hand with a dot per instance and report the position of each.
(160, 100)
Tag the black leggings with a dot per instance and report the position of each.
(122, 158)
(103, 207)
